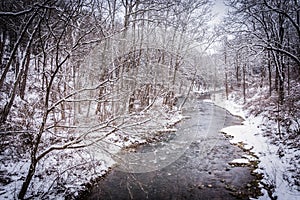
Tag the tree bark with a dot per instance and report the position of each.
(244, 82)
(270, 73)
(24, 77)
(15, 48)
(28, 179)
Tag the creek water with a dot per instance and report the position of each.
(192, 163)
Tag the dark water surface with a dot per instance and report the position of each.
(200, 170)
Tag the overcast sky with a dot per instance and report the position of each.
(219, 10)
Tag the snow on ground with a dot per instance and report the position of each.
(64, 173)
(239, 161)
(273, 166)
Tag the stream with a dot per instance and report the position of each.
(191, 163)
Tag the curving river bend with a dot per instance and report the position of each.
(191, 163)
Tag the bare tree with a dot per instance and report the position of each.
(269, 25)
(83, 70)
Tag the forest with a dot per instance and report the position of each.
(78, 75)
(263, 60)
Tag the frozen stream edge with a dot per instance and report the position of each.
(273, 168)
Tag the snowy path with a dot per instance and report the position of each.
(193, 163)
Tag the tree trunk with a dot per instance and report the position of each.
(276, 80)
(24, 77)
(237, 73)
(2, 47)
(10, 102)
(244, 82)
(281, 85)
(131, 103)
(226, 75)
(34, 160)
(226, 85)
(14, 50)
(28, 179)
(187, 95)
(270, 73)
(289, 76)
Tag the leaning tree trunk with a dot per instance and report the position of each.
(28, 179)
(34, 160)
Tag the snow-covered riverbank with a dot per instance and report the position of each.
(278, 163)
(65, 173)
